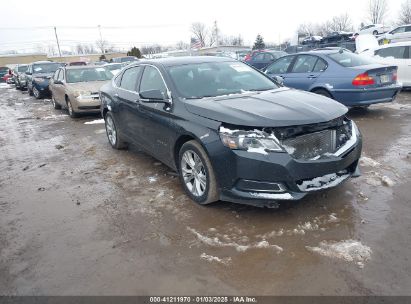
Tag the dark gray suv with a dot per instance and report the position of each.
(231, 132)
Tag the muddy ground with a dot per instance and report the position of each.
(79, 218)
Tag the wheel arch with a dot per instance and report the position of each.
(321, 88)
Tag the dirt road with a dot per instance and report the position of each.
(79, 218)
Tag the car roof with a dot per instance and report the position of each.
(174, 61)
(81, 67)
(44, 61)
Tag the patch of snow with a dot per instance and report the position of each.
(289, 149)
(211, 258)
(52, 117)
(348, 250)
(332, 218)
(386, 181)
(274, 196)
(228, 131)
(322, 182)
(216, 242)
(369, 162)
(152, 179)
(93, 122)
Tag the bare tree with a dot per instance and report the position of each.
(51, 50)
(336, 24)
(200, 32)
(181, 45)
(102, 45)
(377, 9)
(405, 13)
(80, 49)
(307, 29)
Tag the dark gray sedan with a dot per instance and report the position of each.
(231, 132)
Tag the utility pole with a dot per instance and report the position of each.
(57, 39)
(216, 33)
(101, 39)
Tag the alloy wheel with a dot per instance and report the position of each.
(36, 92)
(194, 173)
(111, 130)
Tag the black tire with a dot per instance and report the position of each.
(30, 91)
(323, 92)
(211, 193)
(55, 104)
(70, 109)
(114, 138)
(37, 94)
(375, 33)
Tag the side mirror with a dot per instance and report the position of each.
(278, 79)
(153, 96)
(28, 73)
(57, 82)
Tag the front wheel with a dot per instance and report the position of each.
(70, 109)
(55, 104)
(375, 33)
(112, 133)
(197, 174)
(36, 93)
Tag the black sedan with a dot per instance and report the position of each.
(231, 132)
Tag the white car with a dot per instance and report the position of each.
(398, 34)
(398, 54)
(375, 29)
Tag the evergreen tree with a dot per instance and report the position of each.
(134, 52)
(259, 43)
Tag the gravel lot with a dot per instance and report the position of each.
(79, 218)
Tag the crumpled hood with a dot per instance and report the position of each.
(278, 108)
(90, 86)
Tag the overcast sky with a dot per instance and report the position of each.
(125, 23)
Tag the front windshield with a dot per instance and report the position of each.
(212, 79)
(22, 68)
(88, 74)
(46, 68)
(348, 59)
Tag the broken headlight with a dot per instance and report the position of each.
(253, 139)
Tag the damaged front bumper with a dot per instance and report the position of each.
(264, 179)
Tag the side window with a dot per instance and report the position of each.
(395, 52)
(259, 56)
(61, 75)
(268, 57)
(280, 66)
(56, 74)
(408, 28)
(304, 64)
(320, 66)
(129, 79)
(398, 30)
(152, 80)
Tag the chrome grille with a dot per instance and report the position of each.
(309, 146)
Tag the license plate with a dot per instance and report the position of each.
(385, 78)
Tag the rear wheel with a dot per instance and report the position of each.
(197, 174)
(113, 135)
(375, 33)
(323, 93)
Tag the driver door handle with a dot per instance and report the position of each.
(312, 76)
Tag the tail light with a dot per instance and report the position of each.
(394, 76)
(363, 80)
